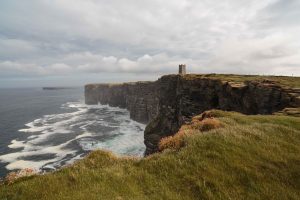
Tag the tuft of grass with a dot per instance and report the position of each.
(13, 176)
(200, 124)
(248, 157)
(173, 142)
(206, 124)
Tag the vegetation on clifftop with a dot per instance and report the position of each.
(289, 81)
(238, 157)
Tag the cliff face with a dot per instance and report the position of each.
(181, 97)
(139, 98)
(172, 100)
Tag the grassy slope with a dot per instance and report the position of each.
(252, 157)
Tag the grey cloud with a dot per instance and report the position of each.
(281, 13)
(68, 37)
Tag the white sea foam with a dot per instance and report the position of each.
(129, 141)
(16, 144)
(16, 160)
(84, 135)
(67, 136)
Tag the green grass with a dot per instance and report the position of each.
(289, 81)
(251, 157)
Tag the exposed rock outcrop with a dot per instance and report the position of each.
(139, 98)
(182, 97)
(173, 100)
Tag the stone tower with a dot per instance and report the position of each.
(182, 69)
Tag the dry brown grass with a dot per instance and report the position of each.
(201, 123)
(206, 124)
(13, 176)
(173, 142)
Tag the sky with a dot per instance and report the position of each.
(74, 42)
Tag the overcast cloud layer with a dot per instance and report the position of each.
(76, 41)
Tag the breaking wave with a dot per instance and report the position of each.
(55, 140)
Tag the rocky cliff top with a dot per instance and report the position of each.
(117, 84)
(286, 81)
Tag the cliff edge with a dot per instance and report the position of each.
(173, 100)
(219, 155)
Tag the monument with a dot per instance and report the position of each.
(182, 69)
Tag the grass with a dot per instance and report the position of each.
(249, 157)
(289, 81)
(198, 126)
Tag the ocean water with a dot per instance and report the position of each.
(46, 129)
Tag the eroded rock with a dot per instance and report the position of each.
(173, 100)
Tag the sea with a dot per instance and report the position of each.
(46, 129)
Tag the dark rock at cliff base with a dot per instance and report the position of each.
(139, 98)
(172, 100)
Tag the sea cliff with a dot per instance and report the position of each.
(173, 100)
(215, 155)
(139, 98)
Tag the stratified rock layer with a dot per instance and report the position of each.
(139, 98)
(172, 100)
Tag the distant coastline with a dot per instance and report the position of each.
(57, 88)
